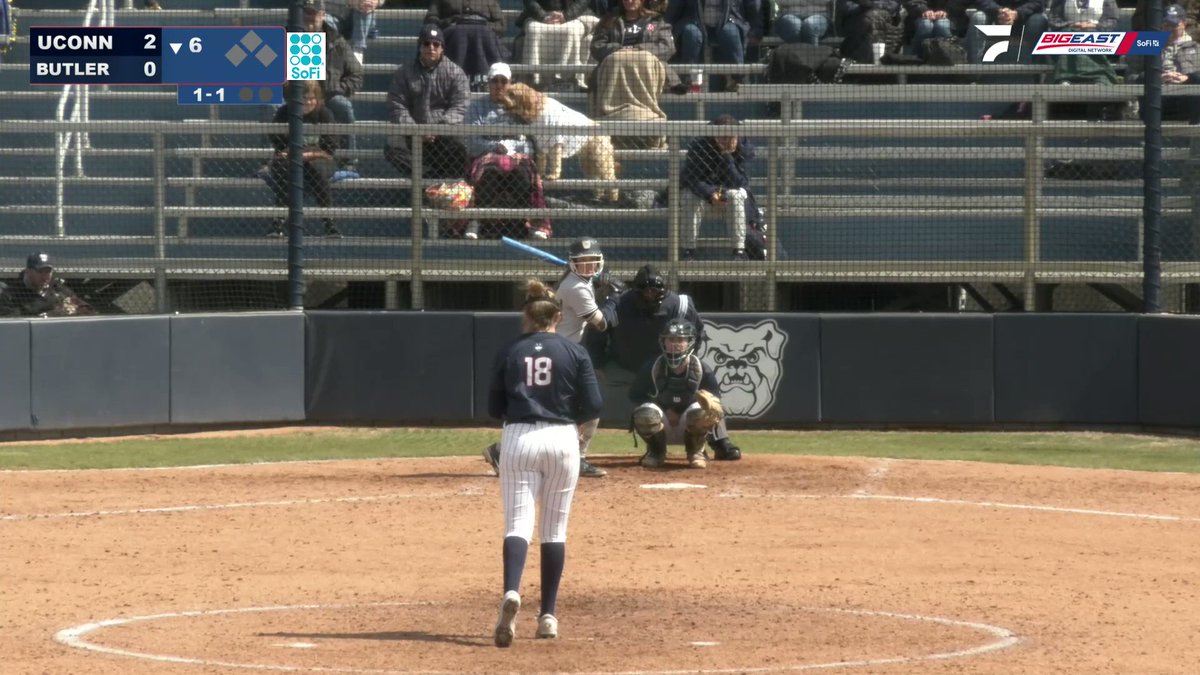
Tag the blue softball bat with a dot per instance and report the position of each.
(533, 251)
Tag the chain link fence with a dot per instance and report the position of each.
(876, 194)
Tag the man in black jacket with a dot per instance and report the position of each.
(37, 292)
(430, 90)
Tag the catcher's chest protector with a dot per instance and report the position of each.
(675, 391)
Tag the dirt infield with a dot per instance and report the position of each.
(776, 564)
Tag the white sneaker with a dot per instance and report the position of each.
(472, 230)
(506, 625)
(540, 234)
(547, 627)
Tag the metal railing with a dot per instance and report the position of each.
(418, 256)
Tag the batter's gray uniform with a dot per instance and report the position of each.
(578, 305)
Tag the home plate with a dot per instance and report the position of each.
(296, 645)
(673, 486)
(705, 644)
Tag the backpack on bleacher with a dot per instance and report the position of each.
(799, 63)
(944, 51)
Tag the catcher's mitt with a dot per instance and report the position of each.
(605, 286)
(711, 410)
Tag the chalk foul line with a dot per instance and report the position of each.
(967, 502)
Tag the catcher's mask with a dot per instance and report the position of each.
(678, 341)
(585, 257)
(651, 288)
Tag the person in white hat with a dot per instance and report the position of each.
(487, 110)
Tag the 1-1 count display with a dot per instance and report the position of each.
(201, 94)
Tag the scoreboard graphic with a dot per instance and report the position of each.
(210, 64)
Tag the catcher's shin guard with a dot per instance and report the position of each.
(694, 444)
(656, 450)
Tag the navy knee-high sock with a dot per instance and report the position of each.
(515, 550)
(554, 556)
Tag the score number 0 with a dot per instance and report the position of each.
(150, 68)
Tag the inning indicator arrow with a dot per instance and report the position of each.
(175, 46)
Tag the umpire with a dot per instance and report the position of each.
(641, 315)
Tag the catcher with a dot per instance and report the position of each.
(674, 400)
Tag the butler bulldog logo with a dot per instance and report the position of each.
(748, 363)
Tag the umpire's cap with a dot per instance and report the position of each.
(38, 261)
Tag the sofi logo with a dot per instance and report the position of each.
(306, 56)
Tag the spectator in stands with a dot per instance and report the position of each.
(928, 19)
(861, 23)
(319, 163)
(632, 47)
(430, 90)
(804, 21)
(1026, 17)
(37, 292)
(344, 74)
(357, 24)
(490, 110)
(595, 151)
(473, 29)
(1191, 8)
(555, 32)
(714, 177)
(1083, 16)
(729, 25)
(1180, 65)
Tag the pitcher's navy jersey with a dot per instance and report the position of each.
(544, 377)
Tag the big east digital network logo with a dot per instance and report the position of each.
(1136, 43)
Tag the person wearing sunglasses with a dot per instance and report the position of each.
(430, 90)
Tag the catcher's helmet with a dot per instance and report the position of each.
(585, 251)
(678, 341)
(651, 288)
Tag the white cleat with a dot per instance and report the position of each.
(547, 627)
(506, 625)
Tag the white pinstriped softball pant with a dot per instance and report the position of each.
(539, 464)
